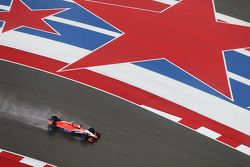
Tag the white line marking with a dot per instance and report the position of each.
(32, 162)
(88, 85)
(42, 46)
(218, 15)
(243, 51)
(72, 1)
(231, 20)
(62, 10)
(163, 114)
(238, 78)
(123, 6)
(28, 160)
(244, 149)
(3, 7)
(81, 83)
(168, 2)
(228, 81)
(208, 132)
(84, 26)
(194, 99)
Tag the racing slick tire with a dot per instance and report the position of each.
(92, 130)
(54, 119)
(84, 137)
(51, 129)
(98, 134)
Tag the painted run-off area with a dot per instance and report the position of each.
(160, 87)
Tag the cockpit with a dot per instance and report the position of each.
(77, 126)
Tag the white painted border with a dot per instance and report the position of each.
(168, 2)
(3, 7)
(42, 46)
(84, 26)
(43, 19)
(207, 132)
(231, 20)
(51, 48)
(89, 85)
(238, 78)
(218, 16)
(57, 75)
(28, 160)
(244, 149)
(162, 114)
(129, 7)
(198, 101)
(122, 33)
(72, 1)
(204, 131)
(243, 51)
(32, 162)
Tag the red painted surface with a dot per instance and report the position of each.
(10, 156)
(146, 37)
(125, 91)
(29, 18)
(30, 59)
(8, 159)
(142, 97)
(48, 165)
(190, 123)
(228, 141)
(187, 36)
(141, 4)
(5, 162)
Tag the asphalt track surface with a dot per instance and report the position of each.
(131, 136)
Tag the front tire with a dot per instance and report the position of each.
(84, 137)
(92, 130)
(98, 135)
(51, 129)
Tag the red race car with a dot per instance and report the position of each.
(57, 125)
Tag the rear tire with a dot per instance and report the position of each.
(54, 119)
(51, 129)
(84, 137)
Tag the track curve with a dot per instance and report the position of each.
(131, 136)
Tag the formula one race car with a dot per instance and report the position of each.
(57, 125)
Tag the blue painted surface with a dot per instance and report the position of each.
(241, 93)
(167, 69)
(5, 2)
(71, 35)
(238, 63)
(75, 12)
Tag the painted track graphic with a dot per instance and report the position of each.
(131, 136)
(13, 159)
(228, 133)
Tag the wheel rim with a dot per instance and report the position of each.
(84, 138)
